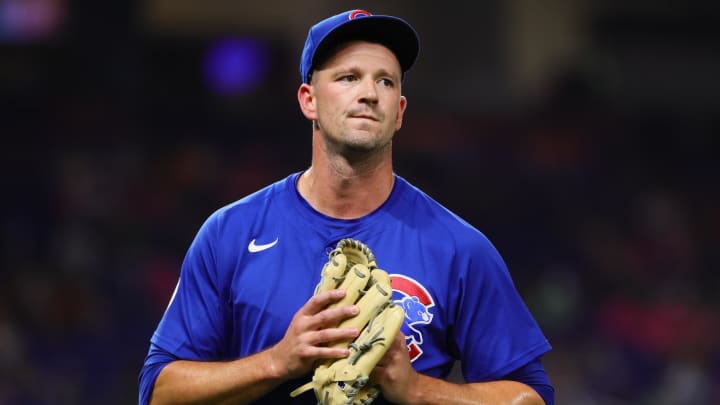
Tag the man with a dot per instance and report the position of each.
(243, 324)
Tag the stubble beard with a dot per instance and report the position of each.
(356, 148)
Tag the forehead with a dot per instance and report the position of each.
(354, 52)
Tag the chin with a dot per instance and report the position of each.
(366, 146)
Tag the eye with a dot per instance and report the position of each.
(347, 78)
(387, 82)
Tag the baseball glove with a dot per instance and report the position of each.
(351, 266)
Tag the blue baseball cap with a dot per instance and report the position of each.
(393, 32)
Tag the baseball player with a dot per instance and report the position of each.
(244, 324)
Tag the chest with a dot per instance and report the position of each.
(270, 285)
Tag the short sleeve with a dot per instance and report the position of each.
(192, 326)
(495, 332)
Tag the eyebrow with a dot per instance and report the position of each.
(356, 68)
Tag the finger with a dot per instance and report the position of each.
(318, 302)
(325, 336)
(321, 352)
(331, 317)
(398, 346)
(400, 340)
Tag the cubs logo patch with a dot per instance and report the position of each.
(417, 302)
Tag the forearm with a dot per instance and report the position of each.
(430, 391)
(238, 382)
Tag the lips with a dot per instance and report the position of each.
(365, 116)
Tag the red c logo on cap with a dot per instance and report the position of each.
(357, 13)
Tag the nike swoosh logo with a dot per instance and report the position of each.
(253, 248)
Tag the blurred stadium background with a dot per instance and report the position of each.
(581, 136)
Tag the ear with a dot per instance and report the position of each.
(401, 111)
(306, 99)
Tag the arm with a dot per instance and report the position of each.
(237, 381)
(435, 391)
(402, 384)
(247, 379)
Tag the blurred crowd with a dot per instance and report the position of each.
(607, 217)
(608, 222)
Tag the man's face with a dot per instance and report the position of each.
(357, 97)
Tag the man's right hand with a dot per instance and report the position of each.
(244, 380)
(313, 326)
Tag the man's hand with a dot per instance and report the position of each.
(401, 384)
(394, 372)
(309, 331)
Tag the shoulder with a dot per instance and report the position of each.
(234, 221)
(439, 223)
(226, 232)
(267, 198)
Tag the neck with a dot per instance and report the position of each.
(344, 189)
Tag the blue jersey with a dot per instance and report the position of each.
(255, 262)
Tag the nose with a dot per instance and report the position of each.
(368, 91)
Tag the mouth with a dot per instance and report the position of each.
(365, 117)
